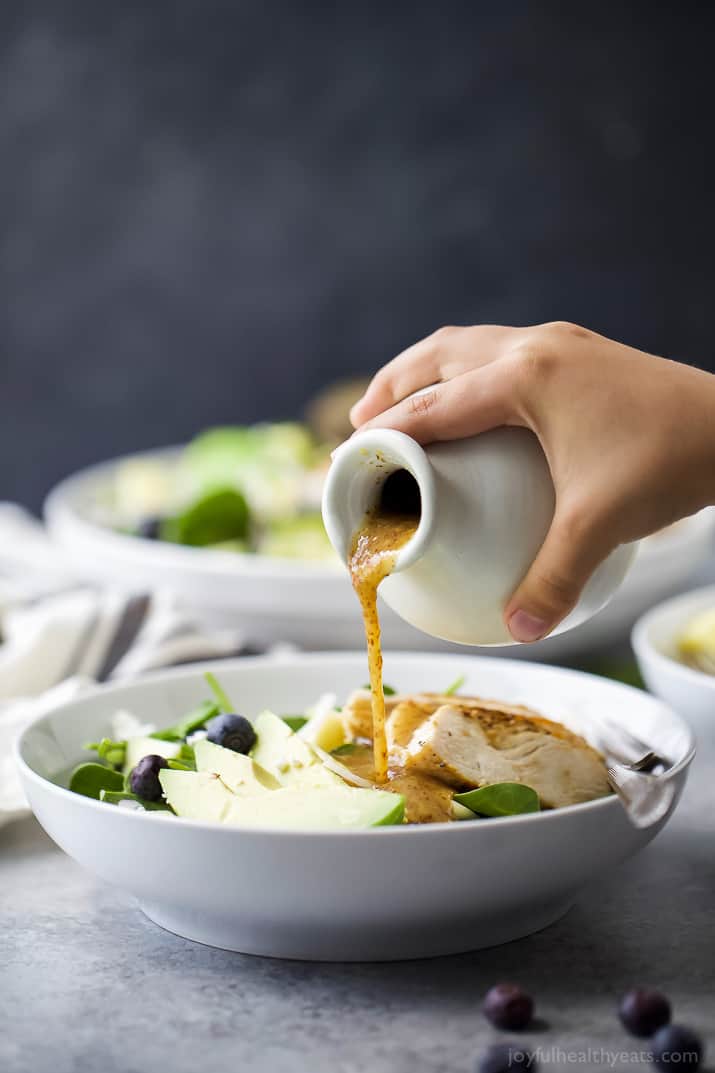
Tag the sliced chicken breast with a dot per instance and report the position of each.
(474, 745)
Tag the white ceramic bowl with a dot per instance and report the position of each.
(379, 894)
(312, 604)
(690, 692)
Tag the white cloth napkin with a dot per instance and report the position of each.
(59, 635)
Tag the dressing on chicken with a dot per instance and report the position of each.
(441, 745)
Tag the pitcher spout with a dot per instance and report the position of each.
(385, 468)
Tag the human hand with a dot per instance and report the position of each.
(629, 437)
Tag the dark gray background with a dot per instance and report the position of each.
(211, 209)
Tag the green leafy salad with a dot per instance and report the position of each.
(253, 489)
(283, 771)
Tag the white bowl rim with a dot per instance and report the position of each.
(392, 830)
(644, 646)
(59, 511)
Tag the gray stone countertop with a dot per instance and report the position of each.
(88, 984)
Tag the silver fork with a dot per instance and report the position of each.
(643, 784)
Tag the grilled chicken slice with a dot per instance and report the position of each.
(357, 710)
(403, 720)
(480, 743)
(469, 741)
(357, 715)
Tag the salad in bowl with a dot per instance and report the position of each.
(253, 489)
(451, 758)
(246, 867)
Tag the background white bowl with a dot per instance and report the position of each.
(690, 692)
(311, 603)
(379, 894)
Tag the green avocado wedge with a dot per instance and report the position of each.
(500, 799)
(238, 772)
(198, 795)
(287, 757)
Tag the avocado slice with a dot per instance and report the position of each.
(318, 808)
(287, 757)
(238, 772)
(139, 747)
(197, 795)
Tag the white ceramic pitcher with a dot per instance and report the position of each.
(486, 506)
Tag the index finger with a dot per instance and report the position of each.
(464, 406)
(412, 369)
(447, 353)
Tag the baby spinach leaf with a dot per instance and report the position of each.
(500, 799)
(387, 691)
(221, 698)
(167, 734)
(186, 756)
(112, 797)
(111, 752)
(90, 779)
(295, 722)
(195, 720)
(185, 759)
(214, 518)
(455, 686)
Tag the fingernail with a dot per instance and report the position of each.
(525, 627)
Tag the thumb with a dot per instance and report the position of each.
(574, 546)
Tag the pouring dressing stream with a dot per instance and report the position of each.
(386, 528)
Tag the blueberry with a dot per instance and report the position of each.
(508, 1006)
(643, 1012)
(148, 528)
(232, 731)
(505, 1057)
(675, 1047)
(144, 779)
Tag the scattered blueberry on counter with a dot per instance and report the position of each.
(232, 732)
(643, 1011)
(508, 1006)
(503, 1057)
(144, 779)
(676, 1047)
